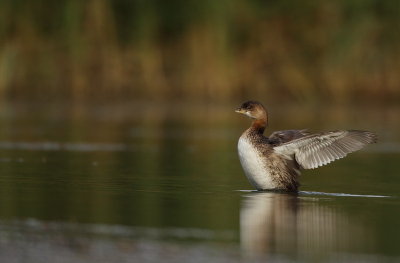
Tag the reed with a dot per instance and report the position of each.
(200, 50)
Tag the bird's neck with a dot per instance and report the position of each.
(259, 125)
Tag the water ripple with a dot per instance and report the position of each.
(56, 146)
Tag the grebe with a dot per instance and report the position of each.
(274, 162)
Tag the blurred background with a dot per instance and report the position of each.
(118, 133)
(287, 51)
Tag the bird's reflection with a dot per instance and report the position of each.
(273, 224)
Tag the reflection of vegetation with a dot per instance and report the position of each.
(200, 49)
(163, 176)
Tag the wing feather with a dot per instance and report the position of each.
(314, 150)
(280, 137)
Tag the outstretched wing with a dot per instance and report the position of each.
(315, 150)
(280, 137)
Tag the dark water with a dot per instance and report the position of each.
(151, 183)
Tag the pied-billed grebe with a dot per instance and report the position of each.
(274, 162)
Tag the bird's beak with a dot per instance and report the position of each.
(239, 110)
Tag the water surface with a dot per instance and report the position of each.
(123, 183)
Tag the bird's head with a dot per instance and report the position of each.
(253, 109)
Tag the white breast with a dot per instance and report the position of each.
(254, 165)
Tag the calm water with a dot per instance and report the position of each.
(147, 182)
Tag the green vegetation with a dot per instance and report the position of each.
(203, 50)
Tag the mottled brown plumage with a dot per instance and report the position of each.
(274, 162)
